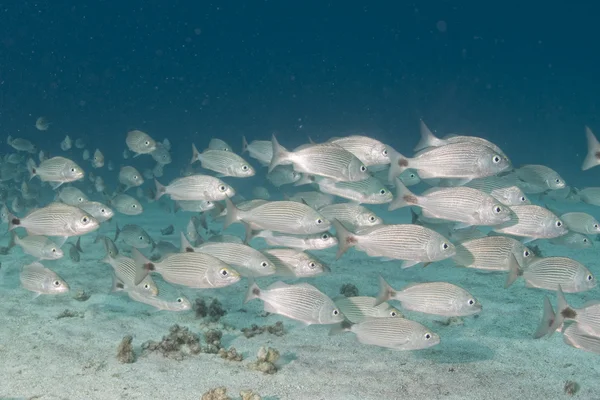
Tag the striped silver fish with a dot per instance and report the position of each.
(301, 302)
(71, 195)
(437, 298)
(572, 240)
(41, 280)
(293, 262)
(532, 221)
(280, 216)
(218, 144)
(360, 308)
(130, 177)
(393, 333)
(260, 150)
(97, 210)
(328, 160)
(140, 142)
(412, 243)
(368, 150)
(135, 236)
(195, 187)
(461, 204)
(367, 191)
(575, 336)
(581, 222)
(313, 198)
(590, 195)
(465, 160)
(195, 270)
(37, 246)
(502, 189)
(125, 272)
(551, 272)
(179, 304)
(492, 253)
(352, 216)
(125, 204)
(587, 317)
(194, 205)
(56, 170)
(541, 176)
(56, 219)
(283, 175)
(315, 241)
(225, 163)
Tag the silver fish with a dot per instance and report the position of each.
(572, 240)
(261, 150)
(293, 262)
(368, 150)
(225, 163)
(313, 199)
(352, 216)
(367, 191)
(437, 298)
(37, 246)
(581, 222)
(125, 269)
(283, 175)
(130, 177)
(195, 187)
(575, 336)
(98, 159)
(587, 317)
(316, 241)
(135, 236)
(179, 304)
(502, 189)
(97, 210)
(161, 154)
(301, 302)
(194, 205)
(360, 308)
(533, 221)
(492, 253)
(21, 144)
(126, 204)
(140, 142)
(41, 280)
(218, 144)
(72, 196)
(56, 219)
(590, 195)
(56, 170)
(540, 176)
(592, 157)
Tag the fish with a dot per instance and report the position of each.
(99, 211)
(99, 184)
(572, 240)
(260, 150)
(194, 205)
(125, 270)
(37, 246)
(352, 216)
(575, 336)
(590, 195)
(464, 160)
(66, 143)
(580, 222)
(592, 157)
(361, 308)
(301, 302)
(492, 253)
(226, 163)
(294, 262)
(56, 171)
(140, 143)
(42, 124)
(98, 159)
(135, 236)
(437, 298)
(428, 139)
(392, 333)
(168, 230)
(587, 317)
(179, 304)
(126, 204)
(79, 143)
(161, 154)
(191, 269)
(551, 272)
(327, 160)
(218, 144)
(502, 189)
(130, 177)
(21, 144)
(283, 175)
(41, 280)
(75, 250)
(316, 241)
(367, 191)
(261, 192)
(195, 187)
(252, 262)
(368, 150)
(280, 216)
(72, 196)
(461, 204)
(55, 219)
(541, 176)
(312, 198)
(408, 242)
(85, 155)
(531, 221)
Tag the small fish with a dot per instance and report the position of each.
(124, 269)
(85, 155)
(368, 150)
(194, 205)
(280, 216)
(135, 236)
(195, 187)
(180, 303)
(56, 170)
(551, 272)
(98, 159)
(37, 246)
(590, 195)
(283, 175)
(327, 160)
(393, 333)
(437, 298)
(367, 191)
(352, 216)
(532, 221)
(461, 204)
(42, 124)
(261, 192)
(502, 189)
(66, 143)
(72, 196)
(56, 219)
(140, 142)
(218, 144)
(581, 222)
(161, 154)
(21, 144)
(293, 262)
(130, 177)
(157, 171)
(41, 280)
(226, 163)
(261, 150)
(75, 250)
(541, 176)
(194, 270)
(301, 302)
(408, 242)
(360, 308)
(167, 231)
(99, 184)
(575, 336)
(125, 154)
(573, 240)
(97, 210)
(313, 199)
(492, 253)
(316, 241)
(80, 143)
(126, 204)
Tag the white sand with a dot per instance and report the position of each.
(489, 357)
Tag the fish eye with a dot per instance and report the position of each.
(264, 264)
(324, 236)
(412, 175)
(523, 199)
(382, 191)
(335, 311)
(179, 300)
(427, 336)
(135, 177)
(363, 168)
(385, 152)
(393, 314)
(496, 159)
(147, 143)
(319, 221)
(53, 250)
(141, 237)
(589, 277)
(244, 167)
(73, 170)
(498, 209)
(595, 226)
(103, 211)
(471, 302)
(445, 246)
(371, 218)
(311, 265)
(585, 240)
(224, 272)
(146, 286)
(558, 223)
(56, 283)
(85, 219)
(134, 205)
(526, 253)
(557, 180)
(222, 188)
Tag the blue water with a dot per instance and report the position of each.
(523, 76)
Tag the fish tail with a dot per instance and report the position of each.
(160, 189)
(142, 266)
(78, 245)
(342, 327)
(186, 246)
(346, 239)
(547, 320)
(428, 139)
(195, 154)
(385, 292)
(306, 179)
(562, 307)
(404, 197)
(232, 213)
(253, 291)
(593, 155)
(513, 271)
(414, 218)
(117, 232)
(244, 144)
(250, 234)
(13, 221)
(280, 154)
(398, 163)
(117, 285)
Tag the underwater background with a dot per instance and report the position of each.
(522, 75)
